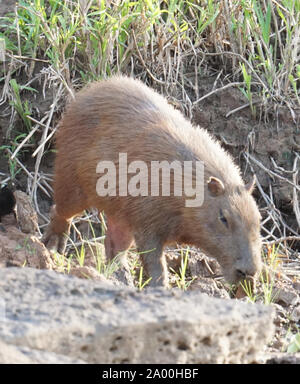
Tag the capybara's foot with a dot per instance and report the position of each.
(156, 283)
(159, 278)
(56, 235)
(153, 261)
(55, 242)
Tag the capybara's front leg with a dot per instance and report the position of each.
(154, 263)
(55, 237)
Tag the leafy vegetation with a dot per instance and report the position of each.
(181, 279)
(258, 41)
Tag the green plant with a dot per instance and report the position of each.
(264, 35)
(80, 254)
(22, 108)
(267, 285)
(181, 279)
(96, 250)
(96, 39)
(294, 345)
(247, 92)
(7, 150)
(266, 278)
(248, 289)
(141, 283)
(26, 246)
(62, 263)
(137, 270)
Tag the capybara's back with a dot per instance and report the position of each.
(110, 141)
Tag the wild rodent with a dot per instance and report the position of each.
(122, 115)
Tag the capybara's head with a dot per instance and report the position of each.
(230, 231)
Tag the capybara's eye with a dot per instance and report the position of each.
(223, 218)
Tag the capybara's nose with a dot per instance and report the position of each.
(245, 274)
(240, 275)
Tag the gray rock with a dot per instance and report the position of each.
(295, 315)
(98, 323)
(26, 214)
(11, 354)
(285, 296)
(209, 286)
(283, 358)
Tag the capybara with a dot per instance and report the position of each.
(123, 116)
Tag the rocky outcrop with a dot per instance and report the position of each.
(19, 249)
(23, 355)
(283, 358)
(46, 315)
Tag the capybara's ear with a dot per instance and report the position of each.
(215, 186)
(251, 184)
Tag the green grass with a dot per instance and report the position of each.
(137, 270)
(7, 149)
(89, 42)
(254, 42)
(141, 282)
(249, 291)
(77, 257)
(90, 252)
(266, 279)
(294, 345)
(181, 279)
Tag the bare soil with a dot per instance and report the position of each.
(277, 138)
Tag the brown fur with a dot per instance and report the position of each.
(123, 115)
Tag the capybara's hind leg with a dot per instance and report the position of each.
(55, 237)
(69, 202)
(118, 237)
